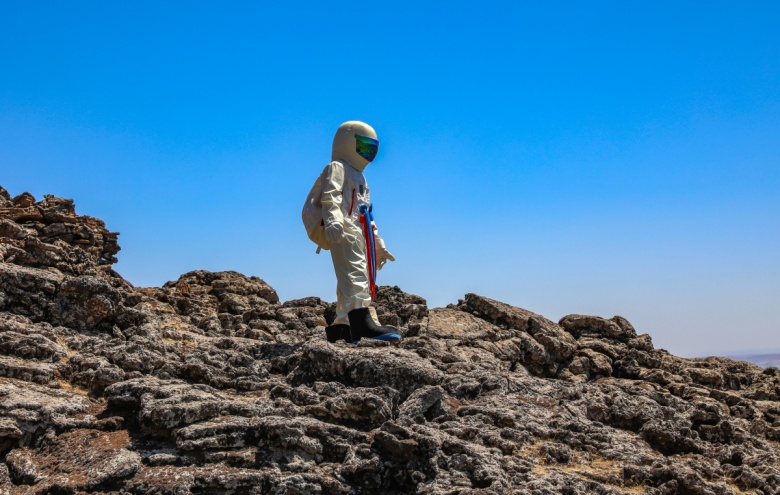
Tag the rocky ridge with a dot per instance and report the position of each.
(210, 384)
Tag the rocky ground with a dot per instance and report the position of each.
(210, 384)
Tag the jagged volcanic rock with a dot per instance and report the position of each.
(210, 384)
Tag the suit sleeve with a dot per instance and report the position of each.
(332, 186)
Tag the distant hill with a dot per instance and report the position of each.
(764, 360)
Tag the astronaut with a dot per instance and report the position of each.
(355, 246)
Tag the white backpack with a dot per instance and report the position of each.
(312, 214)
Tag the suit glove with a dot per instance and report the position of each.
(382, 254)
(334, 232)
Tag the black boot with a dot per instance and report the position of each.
(337, 332)
(363, 325)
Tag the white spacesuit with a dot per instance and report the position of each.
(350, 232)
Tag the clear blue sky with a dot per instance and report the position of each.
(565, 157)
